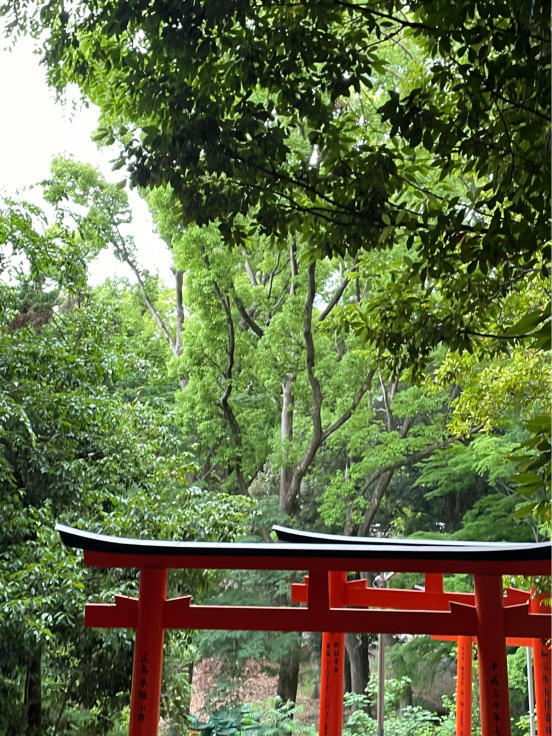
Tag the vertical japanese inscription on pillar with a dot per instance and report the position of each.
(462, 690)
(336, 652)
(495, 699)
(143, 687)
(327, 681)
(545, 660)
(464, 686)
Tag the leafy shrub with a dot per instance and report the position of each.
(278, 719)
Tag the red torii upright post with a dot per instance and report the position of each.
(541, 664)
(491, 655)
(147, 668)
(332, 671)
(464, 686)
(152, 613)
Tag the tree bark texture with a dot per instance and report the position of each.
(227, 410)
(288, 677)
(286, 471)
(357, 651)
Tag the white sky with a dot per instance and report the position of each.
(34, 129)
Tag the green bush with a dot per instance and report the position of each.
(279, 719)
(409, 721)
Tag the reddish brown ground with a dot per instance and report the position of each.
(256, 684)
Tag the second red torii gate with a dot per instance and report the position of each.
(351, 593)
(433, 597)
(151, 613)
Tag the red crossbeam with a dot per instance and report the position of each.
(359, 593)
(178, 613)
(275, 561)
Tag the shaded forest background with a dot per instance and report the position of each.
(356, 200)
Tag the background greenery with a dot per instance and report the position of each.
(356, 199)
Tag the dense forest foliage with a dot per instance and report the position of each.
(355, 196)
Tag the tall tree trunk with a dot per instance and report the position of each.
(318, 434)
(33, 695)
(287, 489)
(288, 677)
(286, 471)
(357, 651)
(227, 410)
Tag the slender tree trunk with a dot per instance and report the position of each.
(125, 255)
(227, 410)
(383, 483)
(349, 525)
(294, 266)
(33, 695)
(190, 681)
(288, 488)
(68, 691)
(177, 350)
(286, 471)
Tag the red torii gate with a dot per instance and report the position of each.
(489, 621)
(432, 597)
(354, 593)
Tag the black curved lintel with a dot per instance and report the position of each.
(90, 541)
(287, 534)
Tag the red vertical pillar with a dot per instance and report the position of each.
(145, 695)
(542, 669)
(464, 686)
(333, 665)
(491, 653)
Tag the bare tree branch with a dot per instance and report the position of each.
(354, 403)
(227, 410)
(244, 314)
(250, 272)
(288, 499)
(124, 254)
(337, 295)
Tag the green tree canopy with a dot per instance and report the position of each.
(325, 119)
